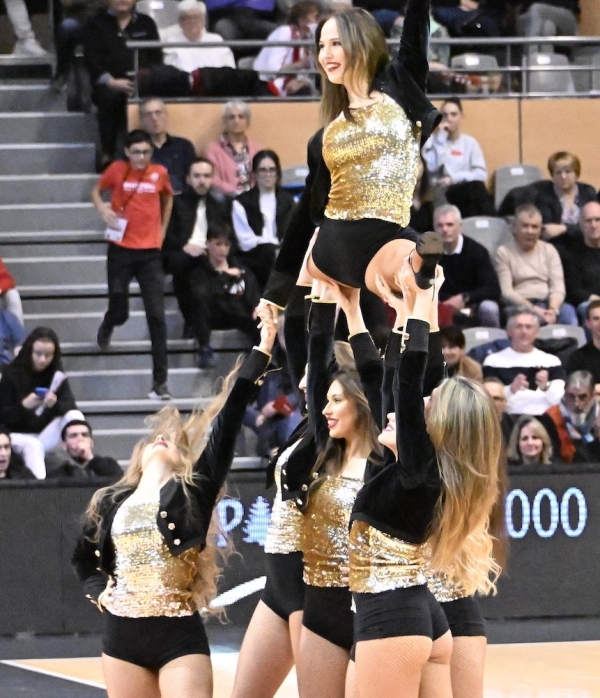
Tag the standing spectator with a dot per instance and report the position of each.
(192, 28)
(529, 443)
(11, 298)
(530, 271)
(453, 350)
(587, 358)
(11, 463)
(110, 64)
(36, 399)
(137, 218)
(495, 388)
(174, 153)
(574, 424)
(27, 44)
(534, 380)
(303, 16)
(12, 336)
(232, 153)
(260, 216)
(470, 282)
(75, 460)
(242, 19)
(456, 164)
(199, 209)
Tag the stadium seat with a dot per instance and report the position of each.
(560, 81)
(293, 178)
(560, 331)
(511, 176)
(164, 12)
(476, 336)
(489, 232)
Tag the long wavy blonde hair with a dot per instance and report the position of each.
(465, 430)
(190, 436)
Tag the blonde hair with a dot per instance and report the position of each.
(366, 54)
(539, 430)
(465, 430)
(190, 436)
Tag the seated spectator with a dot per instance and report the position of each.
(260, 216)
(421, 210)
(549, 18)
(174, 153)
(453, 351)
(36, 399)
(242, 19)
(26, 44)
(192, 28)
(224, 294)
(460, 20)
(232, 154)
(587, 358)
(75, 459)
(12, 466)
(530, 271)
(574, 424)
(200, 208)
(559, 200)
(529, 443)
(470, 292)
(11, 298)
(456, 164)
(12, 336)
(581, 261)
(534, 380)
(302, 17)
(495, 388)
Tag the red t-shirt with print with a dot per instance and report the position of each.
(135, 195)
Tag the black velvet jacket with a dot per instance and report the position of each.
(404, 80)
(183, 522)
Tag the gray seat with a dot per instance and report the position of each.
(246, 63)
(474, 62)
(560, 331)
(164, 12)
(489, 232)
(476, 336)
(548, 80)
(294, 177)
(587, 80)
(511, 176)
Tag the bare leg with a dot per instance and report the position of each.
(321, 667)
(435, 681)
(126, 680)
(392, 666)
(266, 656)
(466, 666)
(189, 676)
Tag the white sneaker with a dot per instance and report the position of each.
(28, 47)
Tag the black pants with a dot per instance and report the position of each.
(112, 117)
(260, 260)
(122, 266)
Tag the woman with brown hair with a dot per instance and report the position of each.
(146, 556)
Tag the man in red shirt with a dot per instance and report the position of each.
(137, 218)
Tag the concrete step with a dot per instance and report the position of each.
(14, 238)
(25, 67)
(45, 127)
(60, 249)
(47, 158)
(35, 97)
(49, 216)
(40, 271)
(85, 304)
(46, 188)
(117, 361)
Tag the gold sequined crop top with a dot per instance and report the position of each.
(379, 562)
(149, 580)
(285, 528)
(373, 163)
(325, 539)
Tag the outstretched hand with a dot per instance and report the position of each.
(266, 311)
(346, 297)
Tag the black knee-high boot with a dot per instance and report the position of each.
(295, 334)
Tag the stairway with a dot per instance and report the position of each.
(51, 241)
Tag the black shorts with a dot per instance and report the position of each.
(328, 613)
(153, 642)
(343, 249)
(464, 617)
(284, 590)
(398, 613)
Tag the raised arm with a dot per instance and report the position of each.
(414, 44)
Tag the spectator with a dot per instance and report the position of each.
(587, 358)
(200, 208)
(242, 19)
(110, 64)
(224, 296)
(260, 216)
(549, 18)
(174, 153)
(232, 154)
(470, 287)
(36, 399)
(11, 299)
(453, 351)
(574, 424)
(529, 443)
(460, 19)
(456, 164)
(421, 210)
(530, 271)
(75, 460)
(12, 336)
(192, 28)
(495, 388)
(27, 44)
(301, 20)
(11, 463)
(137, 218)
(533, 379)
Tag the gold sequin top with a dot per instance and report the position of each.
(285, 528)
(443, 587)
(379, 562)
(373, 163)
(325, 539)
(149, 580)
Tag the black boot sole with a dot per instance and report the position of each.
(430, 248)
